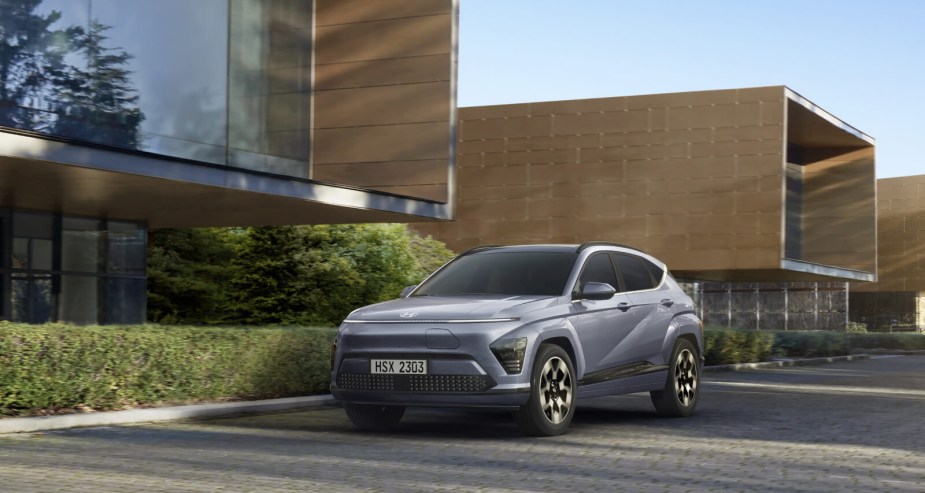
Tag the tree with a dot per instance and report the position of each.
(99, 103)
(31, 63)
(189, 271)
(287, 275)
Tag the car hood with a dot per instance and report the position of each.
(457, 308)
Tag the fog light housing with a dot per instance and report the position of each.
(333, 353)
(510, 353)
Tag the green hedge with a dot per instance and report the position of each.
(60, 368)
(726, 346)
(56, 368)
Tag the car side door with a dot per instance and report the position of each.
(652, 302)
(601, 325)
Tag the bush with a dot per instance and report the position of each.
(53, 368)
(728, 346)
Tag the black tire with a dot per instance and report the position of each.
(371, 417)
(682, 387)
(553, 388)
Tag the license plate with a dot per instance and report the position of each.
(398, 366)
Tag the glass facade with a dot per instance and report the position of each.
(227, 82)
(71, 269)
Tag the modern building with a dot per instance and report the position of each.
(741, 192)
(897, 300)
(118, 116)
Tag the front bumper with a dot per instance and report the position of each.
(493, 398)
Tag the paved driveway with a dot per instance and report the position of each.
(854, 426)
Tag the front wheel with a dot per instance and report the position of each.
(679, 397)
(374, 417)
(551, 406)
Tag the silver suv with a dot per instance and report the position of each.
(531, 328)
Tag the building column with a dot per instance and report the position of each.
(920, 311)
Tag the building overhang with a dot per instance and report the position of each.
(60, 176)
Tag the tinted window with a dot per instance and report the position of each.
(657, 272)
(635, 275)
(501, 272)
(599, 268)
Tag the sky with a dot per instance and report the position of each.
(862, 61)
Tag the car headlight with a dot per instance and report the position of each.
(510, 353)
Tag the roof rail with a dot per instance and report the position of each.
(478, 248)
(584, 246)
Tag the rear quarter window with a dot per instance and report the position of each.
(636, 276)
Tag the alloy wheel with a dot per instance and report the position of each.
(556, 389)
(685, 377)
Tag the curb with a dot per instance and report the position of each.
(43, 423)
(785, 362)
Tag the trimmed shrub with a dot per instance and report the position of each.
(727, 346)
(50, 368)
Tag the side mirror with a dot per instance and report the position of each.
(408, 289)
(597, 291)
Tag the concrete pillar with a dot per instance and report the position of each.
(920, 311)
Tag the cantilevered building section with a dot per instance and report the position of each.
(897, 300)
(735, 186)
(209, 113)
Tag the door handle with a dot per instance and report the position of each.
(624, 306)
(667, 302)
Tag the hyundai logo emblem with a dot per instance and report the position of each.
(408, 314)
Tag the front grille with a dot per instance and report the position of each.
(414, 383)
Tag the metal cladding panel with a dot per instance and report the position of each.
(696, 179)
(900, 236)
(385, 95)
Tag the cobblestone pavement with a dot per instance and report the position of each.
(854, 426)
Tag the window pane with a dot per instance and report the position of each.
(598, 268)
(126, 248)
(635, 275)
(20, 253)
(270, 86)
(31, 225)
(174, 77)
(80, 245)
(31, 299)
(125, 301)
(41, 254)
(77, 302)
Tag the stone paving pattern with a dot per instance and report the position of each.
(855, 426)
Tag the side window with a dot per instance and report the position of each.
(657, 272)
(599, 268)
(635, 275)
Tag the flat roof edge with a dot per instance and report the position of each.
(826, 270)
(825, 115)
(21, 146)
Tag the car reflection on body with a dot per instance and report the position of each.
(531, 328)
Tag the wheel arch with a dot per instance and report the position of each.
(686, 326)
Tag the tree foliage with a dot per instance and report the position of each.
(188, 271)
(285, 275)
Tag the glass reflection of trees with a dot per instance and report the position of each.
(41, 91)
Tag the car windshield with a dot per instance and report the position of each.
(500, 272)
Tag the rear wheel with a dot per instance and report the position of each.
(372, 417)
(682, 388)
(551, 406)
